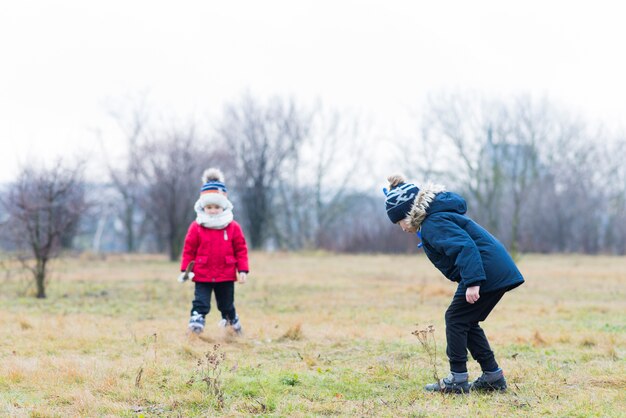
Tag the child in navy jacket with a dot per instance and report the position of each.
(469, 255)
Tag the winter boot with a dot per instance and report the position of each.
(454, 383)
(236, 325)
(490, 382)
(196, 323)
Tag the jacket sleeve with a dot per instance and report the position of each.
(241, 249)
(452, 241)
(192, 239)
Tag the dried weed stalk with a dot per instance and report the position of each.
(426, 337)
(209, 371)
(143, 362)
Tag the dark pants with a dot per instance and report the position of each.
(224, 295)
(463, 332)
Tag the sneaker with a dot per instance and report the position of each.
(482, 385)
(448, 385)
(236, 325)
(196, 323)
(222, 323)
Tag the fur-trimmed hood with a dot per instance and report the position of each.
(434, 198)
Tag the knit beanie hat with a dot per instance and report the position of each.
(399, 198)
(214, 190)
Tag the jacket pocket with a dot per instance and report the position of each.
(230, 269)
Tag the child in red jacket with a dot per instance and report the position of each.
(217, 246)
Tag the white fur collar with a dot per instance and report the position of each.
(219, 221)
(422, 201)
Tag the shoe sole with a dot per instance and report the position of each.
(488, 389)
(449, 392)
(458, 391)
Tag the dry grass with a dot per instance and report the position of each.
(323, 335)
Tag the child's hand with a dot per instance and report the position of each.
(472, 294)
(242, 277)
(184, 276)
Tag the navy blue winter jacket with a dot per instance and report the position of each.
(464, 251)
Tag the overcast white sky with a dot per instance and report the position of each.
(63, 61)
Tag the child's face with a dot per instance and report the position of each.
(212, 209)
(406, 226)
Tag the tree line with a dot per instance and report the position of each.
(300, 177)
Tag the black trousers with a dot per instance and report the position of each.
(463, 331)
(224, 295)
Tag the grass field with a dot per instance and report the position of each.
(323, 335)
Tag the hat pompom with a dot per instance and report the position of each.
(212, 174)
(395, 179)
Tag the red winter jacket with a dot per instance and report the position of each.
(218, 253)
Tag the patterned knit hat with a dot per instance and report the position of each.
(214, 190)
(399, 199)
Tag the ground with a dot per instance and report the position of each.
(324, 334)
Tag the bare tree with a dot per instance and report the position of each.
(171, 171)
(263, 137)
(463, 126)
(614, 224)
(572, 186)
(532, 173)
(43, 206)
(422, 155)
(125, 177)
(526, 126)
(316, 181)
(336, 153)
